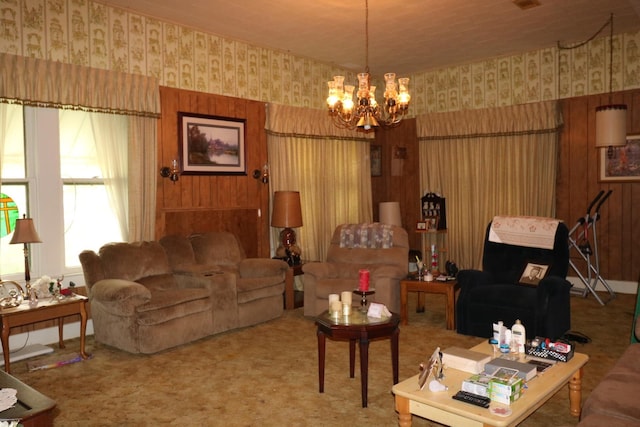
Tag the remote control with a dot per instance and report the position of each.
(474, 399)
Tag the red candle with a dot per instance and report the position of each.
(363, 284)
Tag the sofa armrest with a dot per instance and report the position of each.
(468, 279)
(119, 296)
(387, 272)
(553, 285)
(320, 269)
(262, 267)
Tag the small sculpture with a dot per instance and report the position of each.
(435, 368)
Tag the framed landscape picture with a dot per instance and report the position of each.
(211, 145)
(624, 163)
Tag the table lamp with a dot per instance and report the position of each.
(287, 214)
(390, 213)
(25, 232)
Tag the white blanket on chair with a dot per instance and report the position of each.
(529, 231)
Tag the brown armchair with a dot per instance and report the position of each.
(382, 249)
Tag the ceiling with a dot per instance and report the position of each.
(405, 36)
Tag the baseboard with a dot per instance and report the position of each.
(618, 286)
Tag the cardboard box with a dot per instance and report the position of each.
(465, 360)
(477, 384)
(503, 398)
(505, 387)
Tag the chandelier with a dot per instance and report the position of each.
(366, 114)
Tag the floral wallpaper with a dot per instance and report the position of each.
(91, 34)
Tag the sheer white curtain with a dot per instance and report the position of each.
(500, 161)
(41, 83)
(110, 132)
(330, 167)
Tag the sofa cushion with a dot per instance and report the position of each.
(250, 288)
(158, 282)
(132, 261)
(169, 304)
(616, 396)
(216, 248)
(179, 250)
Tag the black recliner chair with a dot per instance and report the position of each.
(495, 293)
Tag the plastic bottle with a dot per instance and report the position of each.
(518, 334)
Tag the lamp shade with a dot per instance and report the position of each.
(25, 232)
(390, 213)
(611, 125)
(287, 212)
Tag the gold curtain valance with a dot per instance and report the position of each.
(42, 83)
(523, 119)
(300, 122)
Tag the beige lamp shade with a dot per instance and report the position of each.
(611, 125)
(25, 232)
(390, 213)
(287, 212)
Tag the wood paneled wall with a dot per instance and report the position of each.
(212, 202)
(618, 230)
(199, 203)
(400, 180)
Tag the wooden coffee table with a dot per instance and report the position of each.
(440, 407)
(47, 309)
(447, 288)
(357, 327)
(33, 408)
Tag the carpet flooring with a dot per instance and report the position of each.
(267, 375)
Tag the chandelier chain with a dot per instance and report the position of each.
(366, 35)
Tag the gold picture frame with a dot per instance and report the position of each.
(620, 164)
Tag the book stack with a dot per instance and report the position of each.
(525, 371)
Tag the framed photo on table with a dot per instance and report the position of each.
(533, 273)
(211, 145)
(620, 164)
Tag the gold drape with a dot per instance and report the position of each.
(41, 83)
(330, 168)
(499, 161)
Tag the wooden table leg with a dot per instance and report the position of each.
(61, 332)
(352, 358)
(420, 304)
(321, 354)
(288, 289)
(575, 393)
(364, 369)
(404, 310)
(83, 330)
(404, 416)
(395, 339)
(5, 346)
(451, 308)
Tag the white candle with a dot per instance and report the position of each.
(346, 297)
(336, 308)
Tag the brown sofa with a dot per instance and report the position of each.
(614, 401)
(150, 296)
(382, 249)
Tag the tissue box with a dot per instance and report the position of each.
(477, 384)
(504, 398)
(505, 387)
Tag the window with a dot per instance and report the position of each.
(52, 167)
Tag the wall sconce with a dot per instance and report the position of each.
(262, 175)
(173, 172)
